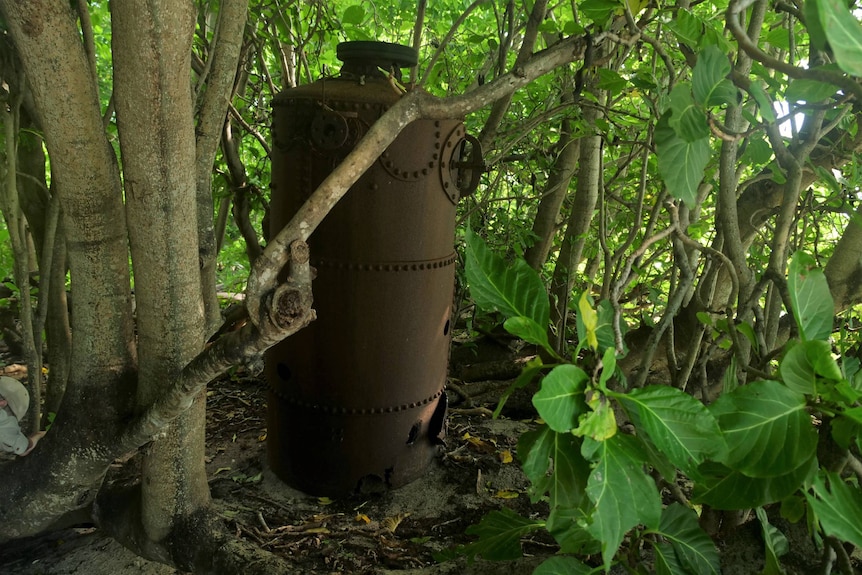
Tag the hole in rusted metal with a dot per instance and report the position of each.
(414, 433)
(283, 371)
(372, 485)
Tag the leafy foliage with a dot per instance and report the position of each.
(755, 445)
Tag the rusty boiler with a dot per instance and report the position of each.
(356, 400)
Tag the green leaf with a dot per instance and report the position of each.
(844, 33)
(560, 400)
(666, 561)
(598, 10)
(680, 163)
(530, 370)
(686, 119)
(687, 27)
(845, 430)
(693, 548)
(757, 152)
(528, 330)
(804, 362)
(776, 545)
(604, 327)
(767, 428)
(516, 290)
(764, 102)
(723, 488)
(566, 526)
(779, 37)
(500, 535)
(813, 24)
(748, 331)
(810, 91)
(353, 15)
(709, 79)
(793, 508)
(600, 423)
(609, 367)
(589, 319)
(554, 465)
(611, 81)
(562, 565)
(810, 297)
(623, 494)
(838, 507)
(680, 426)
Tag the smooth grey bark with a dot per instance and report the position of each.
(580, 218)
(545, 223)
(844, 270)
(213, 104)
(59, 475)
(151, 46)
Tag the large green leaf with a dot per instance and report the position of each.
(844, 33)
(562, 565)
(810, 297)
(813, 24)
(666, 561)
(686, 119)
(693, 548)
(775, 543)
(554, 465)
(353, 15)
(764, 102)
(598, 10)
(680, 426)
(838, 507)
(515, 290)
(811, 91)
(500, 535)
(567, 526)
(709, 79)
(688, 28)
(767, 428)
(530, 331)
(680, 163)
(804, 362)
(723, 488)
(623, 494)
(560, 400)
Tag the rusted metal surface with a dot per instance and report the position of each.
(356, 400)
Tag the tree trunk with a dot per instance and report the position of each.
(580, 218)
(72, 458)
(153, 98)
(223, 55)
(545, 224)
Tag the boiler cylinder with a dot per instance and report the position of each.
(356, 400)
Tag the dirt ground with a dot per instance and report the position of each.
(397, 532)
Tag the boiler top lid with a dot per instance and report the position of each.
(381, 54)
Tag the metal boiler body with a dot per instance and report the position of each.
(356, 400)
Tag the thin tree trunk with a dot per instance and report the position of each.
(223, 59)
(580, 219)
(545, 224)
(501, 106)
